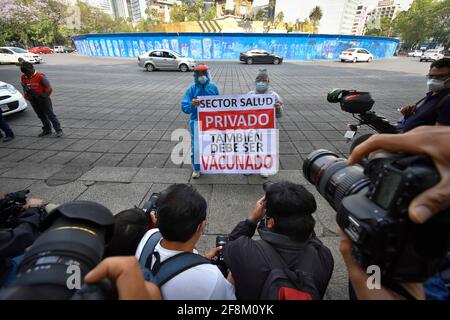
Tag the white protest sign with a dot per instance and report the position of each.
(237, 134)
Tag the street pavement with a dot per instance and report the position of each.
(118, 121)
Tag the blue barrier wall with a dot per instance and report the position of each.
(227, 46)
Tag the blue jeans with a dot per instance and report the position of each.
(194, 146)
(4, 126)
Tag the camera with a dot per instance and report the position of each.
(372, 209)
(150, 205)
(218, 258)
(11, 207)
(75, 236)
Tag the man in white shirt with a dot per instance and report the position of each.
(181, 220)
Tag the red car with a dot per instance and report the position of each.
(45, 50)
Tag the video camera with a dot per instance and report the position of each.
(71, 245)
(11, 207)
(372, 209)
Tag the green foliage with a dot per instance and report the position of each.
(424, 21)
(315, 15)
(43, 22)
(385, 28)
(260, 15)
(210, 14)
(178, 12)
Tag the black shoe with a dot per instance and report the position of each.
(7, 139)
(44, 133)
(59, 134)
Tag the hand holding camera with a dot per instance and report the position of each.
(429, 140)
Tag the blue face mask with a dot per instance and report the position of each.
(262, 86)
(202, 79)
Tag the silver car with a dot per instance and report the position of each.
(165, 60)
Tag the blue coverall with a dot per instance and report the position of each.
(193, 92)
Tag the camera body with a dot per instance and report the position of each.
(11, 208)
(372, 209)
(150, 205)
(220, 242)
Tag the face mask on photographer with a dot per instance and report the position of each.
(436, 85)
(26, 71)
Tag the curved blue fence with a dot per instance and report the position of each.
(227, 46)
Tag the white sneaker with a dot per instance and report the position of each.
(195, 174)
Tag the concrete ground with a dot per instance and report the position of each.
(118, 122)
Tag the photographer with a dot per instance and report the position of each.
(181, 220)
(14, 239)
(287, 233)
(129, 227)
(433, 142)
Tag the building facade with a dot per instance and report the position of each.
(360, 20)
(120, 8)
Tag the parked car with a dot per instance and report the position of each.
(44, 50)
(355, 54)
(259, 56)
(11, 100)
(12, 55)
(415, 53)
(432, 54)
(62, 49)
(165, 60)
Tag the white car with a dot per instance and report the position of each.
(12, 55)
(432, 54)
(355, 55)
(415, 53)
(11, 100)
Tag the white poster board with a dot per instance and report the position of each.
(237, 134)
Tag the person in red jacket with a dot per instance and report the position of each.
(37, 90)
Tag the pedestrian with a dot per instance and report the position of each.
(203, 86)
(262, 87)
(9, 134)
(37, 90)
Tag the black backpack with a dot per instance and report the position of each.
(163, 272)
(285, 282)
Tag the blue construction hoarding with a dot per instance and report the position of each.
(227, 46)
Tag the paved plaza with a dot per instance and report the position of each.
(118, 121)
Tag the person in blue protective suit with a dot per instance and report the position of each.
(203, 86)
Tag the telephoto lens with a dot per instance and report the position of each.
(333, 177)
(71, 245)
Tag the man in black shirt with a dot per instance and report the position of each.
(287, 226)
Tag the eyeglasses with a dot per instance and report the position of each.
(437, 76)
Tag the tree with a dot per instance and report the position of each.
(441, 29)
(279, 18)
(260, 15)
(178, 12)
(416, 25)
(383, 28)
(153, 16)
(315, 16)
(210, 14)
